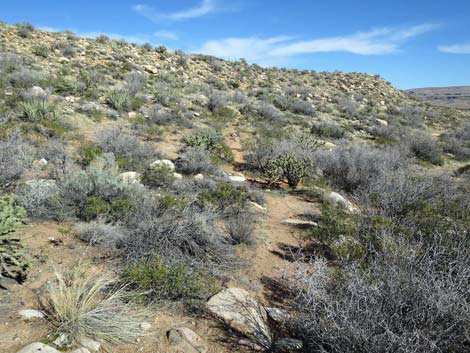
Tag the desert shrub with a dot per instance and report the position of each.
(36, 110)
(302, 107)
(119, 100)
(225, 197)
(24, 78)
(195, 160)
(130, 152)
(290, 158)
(353, 166)
(94, 192)
(158, 176)
(216, 100)
(79, 304)
(185, 236)
(425, 147)
(25, 29)
(15, 156)
(156, 114)
(457, 142)
(102, 39)
(134, 83)
(69, 51)
(240, 228)
(328, 129)
(412, 298)
(350, 107)
(88, 152)
(36, 197)
(13, 263)
(288, 166)
(161, 281)
(269, 112)
(412, 116)
(41, 50)
(101, 233)
(211, 141)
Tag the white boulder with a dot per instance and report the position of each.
(38, 347)
(237, 178)
(163, 162)
(31, 314)
(338, 200)
(238, 309)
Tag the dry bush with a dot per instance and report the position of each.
(101, 233)
(79, 304)
(15, 156)
(195, 160)
(411, 298)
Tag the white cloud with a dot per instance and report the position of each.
(164, 34)
(375, 42)
(455, 48)
(205, 7)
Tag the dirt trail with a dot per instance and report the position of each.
(274, 241)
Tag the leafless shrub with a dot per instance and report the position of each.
(412, 116)
(36, 197)
(412, 298)
(195, 160)
(15, 156)
(240, 227)
(134, 83)
(352, 166)
(269, 111)
(187, 236)
(302, 107)
(425, 147)
(128, 149)
(457, 142)
(328, 129)
(100, 233)
(157, 114)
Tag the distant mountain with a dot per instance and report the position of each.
(451, 97)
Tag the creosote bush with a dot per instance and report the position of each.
(158, 176)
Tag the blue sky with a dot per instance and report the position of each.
(413, 43)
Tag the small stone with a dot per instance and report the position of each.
(131, 114)
(62, 341)
(338, 200)
(299, 222)
(257, 206)
(38, 347)
(382, 122)
(130, 177)
(237, 178)
(163, 162)
(91, 345)
(31, 314)
(145, 326)
(178, 176)
(198, 176)
(80, 350)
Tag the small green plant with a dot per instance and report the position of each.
(13, 263)
(41, 50)
(225, 196)
(37, 109)
(211, 141)
(175, 282)
(119, 100)
(87, 153)
(288, 166)
(158, 176)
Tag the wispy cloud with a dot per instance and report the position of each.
(205, 7)
(164, 34)
(374, 42)
(455, 48)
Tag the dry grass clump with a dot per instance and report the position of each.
(79, 304)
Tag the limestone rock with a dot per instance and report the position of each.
(301, 223)
(91, 345)
(338, 200)
(163, 162)
(238, 309)
(237, 178)
(38, 347)
(186, 340)
(31, 314)
(178, 176)
(130, 177)
(199, 176)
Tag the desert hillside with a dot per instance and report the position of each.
(451, 97)
(159, 201)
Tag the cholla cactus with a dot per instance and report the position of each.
(288, 166)
(12, 259)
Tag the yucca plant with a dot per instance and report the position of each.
(36, 110)
(13, 263)
(79, 304)
(119, 100)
